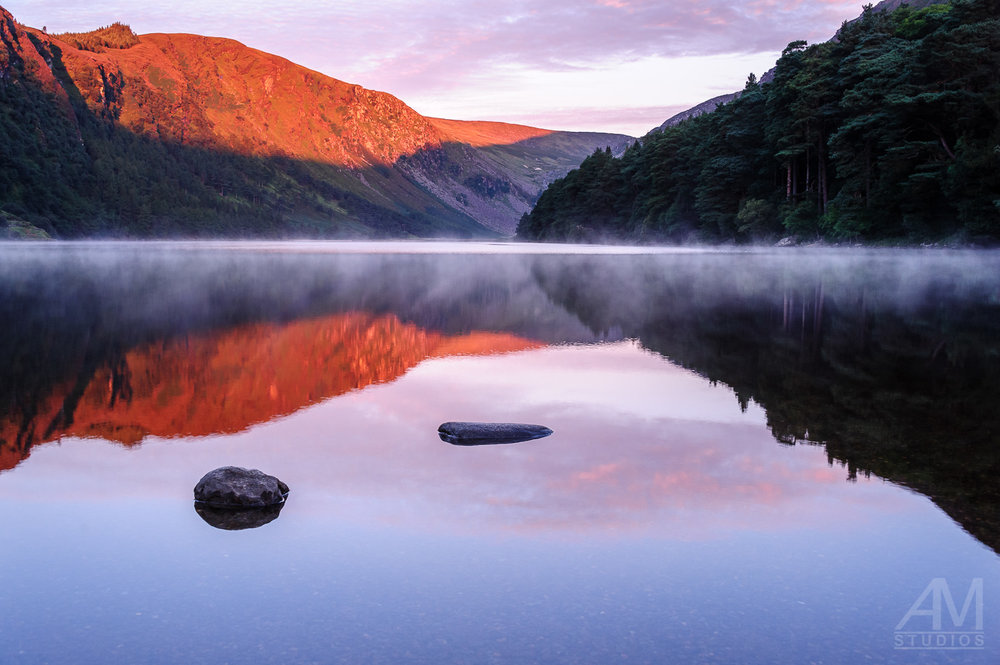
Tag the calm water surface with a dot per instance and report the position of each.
(759, 456)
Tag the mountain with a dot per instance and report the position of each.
(114, 133)
(693, 112)
(495, 171)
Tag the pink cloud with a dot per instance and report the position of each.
(455, 49)
(442, 43)
(599, 473)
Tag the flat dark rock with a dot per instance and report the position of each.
(238, 488)
(484, 434)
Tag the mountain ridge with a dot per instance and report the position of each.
(363, 163)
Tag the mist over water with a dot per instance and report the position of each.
(147, 284)
(804, 434)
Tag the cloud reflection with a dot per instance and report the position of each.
(694, 467)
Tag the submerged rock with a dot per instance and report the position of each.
(236, 487)
(482, 434)
(235, 519)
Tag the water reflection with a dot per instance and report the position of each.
(226, 381)
(229, 519)
(891, 362)
(887, 359)
(620, 460)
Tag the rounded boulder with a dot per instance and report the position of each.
(236, 487)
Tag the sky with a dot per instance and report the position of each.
(590, 65)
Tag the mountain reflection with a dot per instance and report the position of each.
(224, 382)
(888, 360)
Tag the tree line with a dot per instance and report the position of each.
(117, 35)
(889, 132)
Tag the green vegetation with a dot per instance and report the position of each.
(14, 228)
(891, 132)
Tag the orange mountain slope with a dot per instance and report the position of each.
(481, 133)
(219, 93)
(225, 382)
(16, 48)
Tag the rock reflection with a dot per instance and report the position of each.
(231, 519)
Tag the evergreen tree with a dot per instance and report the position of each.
(889, 132)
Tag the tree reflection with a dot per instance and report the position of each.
(894, 374)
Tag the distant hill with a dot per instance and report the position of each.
(113, 133)
(694, 111)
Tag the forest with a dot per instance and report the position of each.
(889, 133)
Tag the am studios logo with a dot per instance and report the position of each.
(935, 622)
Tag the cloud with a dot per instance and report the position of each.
(627, 96)
(445, 40)
(631, 120)
(445, 43)
(457, 48)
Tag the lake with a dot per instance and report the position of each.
(758, 455)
